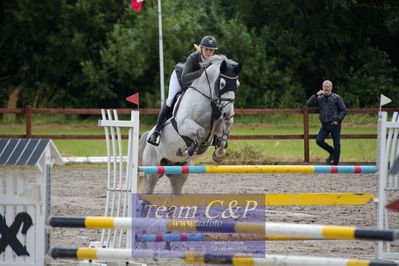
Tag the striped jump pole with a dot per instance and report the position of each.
(193, 237)
(221, 226)
(259, 169)
(299, 199)
(204, 258)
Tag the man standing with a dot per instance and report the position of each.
(332, 112)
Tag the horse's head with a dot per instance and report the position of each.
(221, 79)
(225, 88)
(225, 85)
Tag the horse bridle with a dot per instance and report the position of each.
(218, 100)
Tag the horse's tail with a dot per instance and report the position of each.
(142, 143)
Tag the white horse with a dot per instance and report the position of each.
(202, 119)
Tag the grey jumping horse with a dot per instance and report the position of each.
(203, 119)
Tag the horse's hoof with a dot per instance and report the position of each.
(218, 157)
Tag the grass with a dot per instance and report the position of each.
(239, 151)
(247, 151)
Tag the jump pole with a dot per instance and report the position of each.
(194, 237)
(204, 258)
(260, 169)
(221, 226)
(299, 199)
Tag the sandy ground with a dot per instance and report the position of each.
(81, 192)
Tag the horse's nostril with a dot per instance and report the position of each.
(228, 115)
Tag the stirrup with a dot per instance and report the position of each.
(155, 138)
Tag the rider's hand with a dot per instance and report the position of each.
(320, 92)
(197, 48)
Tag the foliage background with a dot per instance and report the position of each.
(94, 53)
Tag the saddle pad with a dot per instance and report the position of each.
(177, 104)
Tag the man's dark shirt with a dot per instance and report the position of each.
(332, 108)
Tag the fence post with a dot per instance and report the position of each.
(306, 133)
(28, 121)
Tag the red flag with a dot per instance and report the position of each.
(136, 5)
(133, 98)
(393, 206)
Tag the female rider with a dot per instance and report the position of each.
(182, 78)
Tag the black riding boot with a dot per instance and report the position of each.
(155, 137)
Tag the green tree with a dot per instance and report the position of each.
(82, 53)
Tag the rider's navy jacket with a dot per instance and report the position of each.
(332, 108)
(192, 69)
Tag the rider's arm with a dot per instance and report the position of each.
(191, 70)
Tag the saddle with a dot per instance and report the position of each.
(179, 71)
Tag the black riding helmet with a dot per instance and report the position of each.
(209, 42)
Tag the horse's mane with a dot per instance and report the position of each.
(217, 59)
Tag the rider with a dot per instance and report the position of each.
(182, 78)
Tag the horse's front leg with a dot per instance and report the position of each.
(190, 128)
(221, 142)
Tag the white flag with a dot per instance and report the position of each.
(384, 100)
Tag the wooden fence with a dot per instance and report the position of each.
(28, 111)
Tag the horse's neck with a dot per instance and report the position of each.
(206, 81)
(195, 102)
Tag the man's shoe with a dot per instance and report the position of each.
(330, 159)
(155, 138)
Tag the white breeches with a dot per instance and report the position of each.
(174, 88)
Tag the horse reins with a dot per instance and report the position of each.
(218, 99)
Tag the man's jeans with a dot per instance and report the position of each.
(335, 131)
